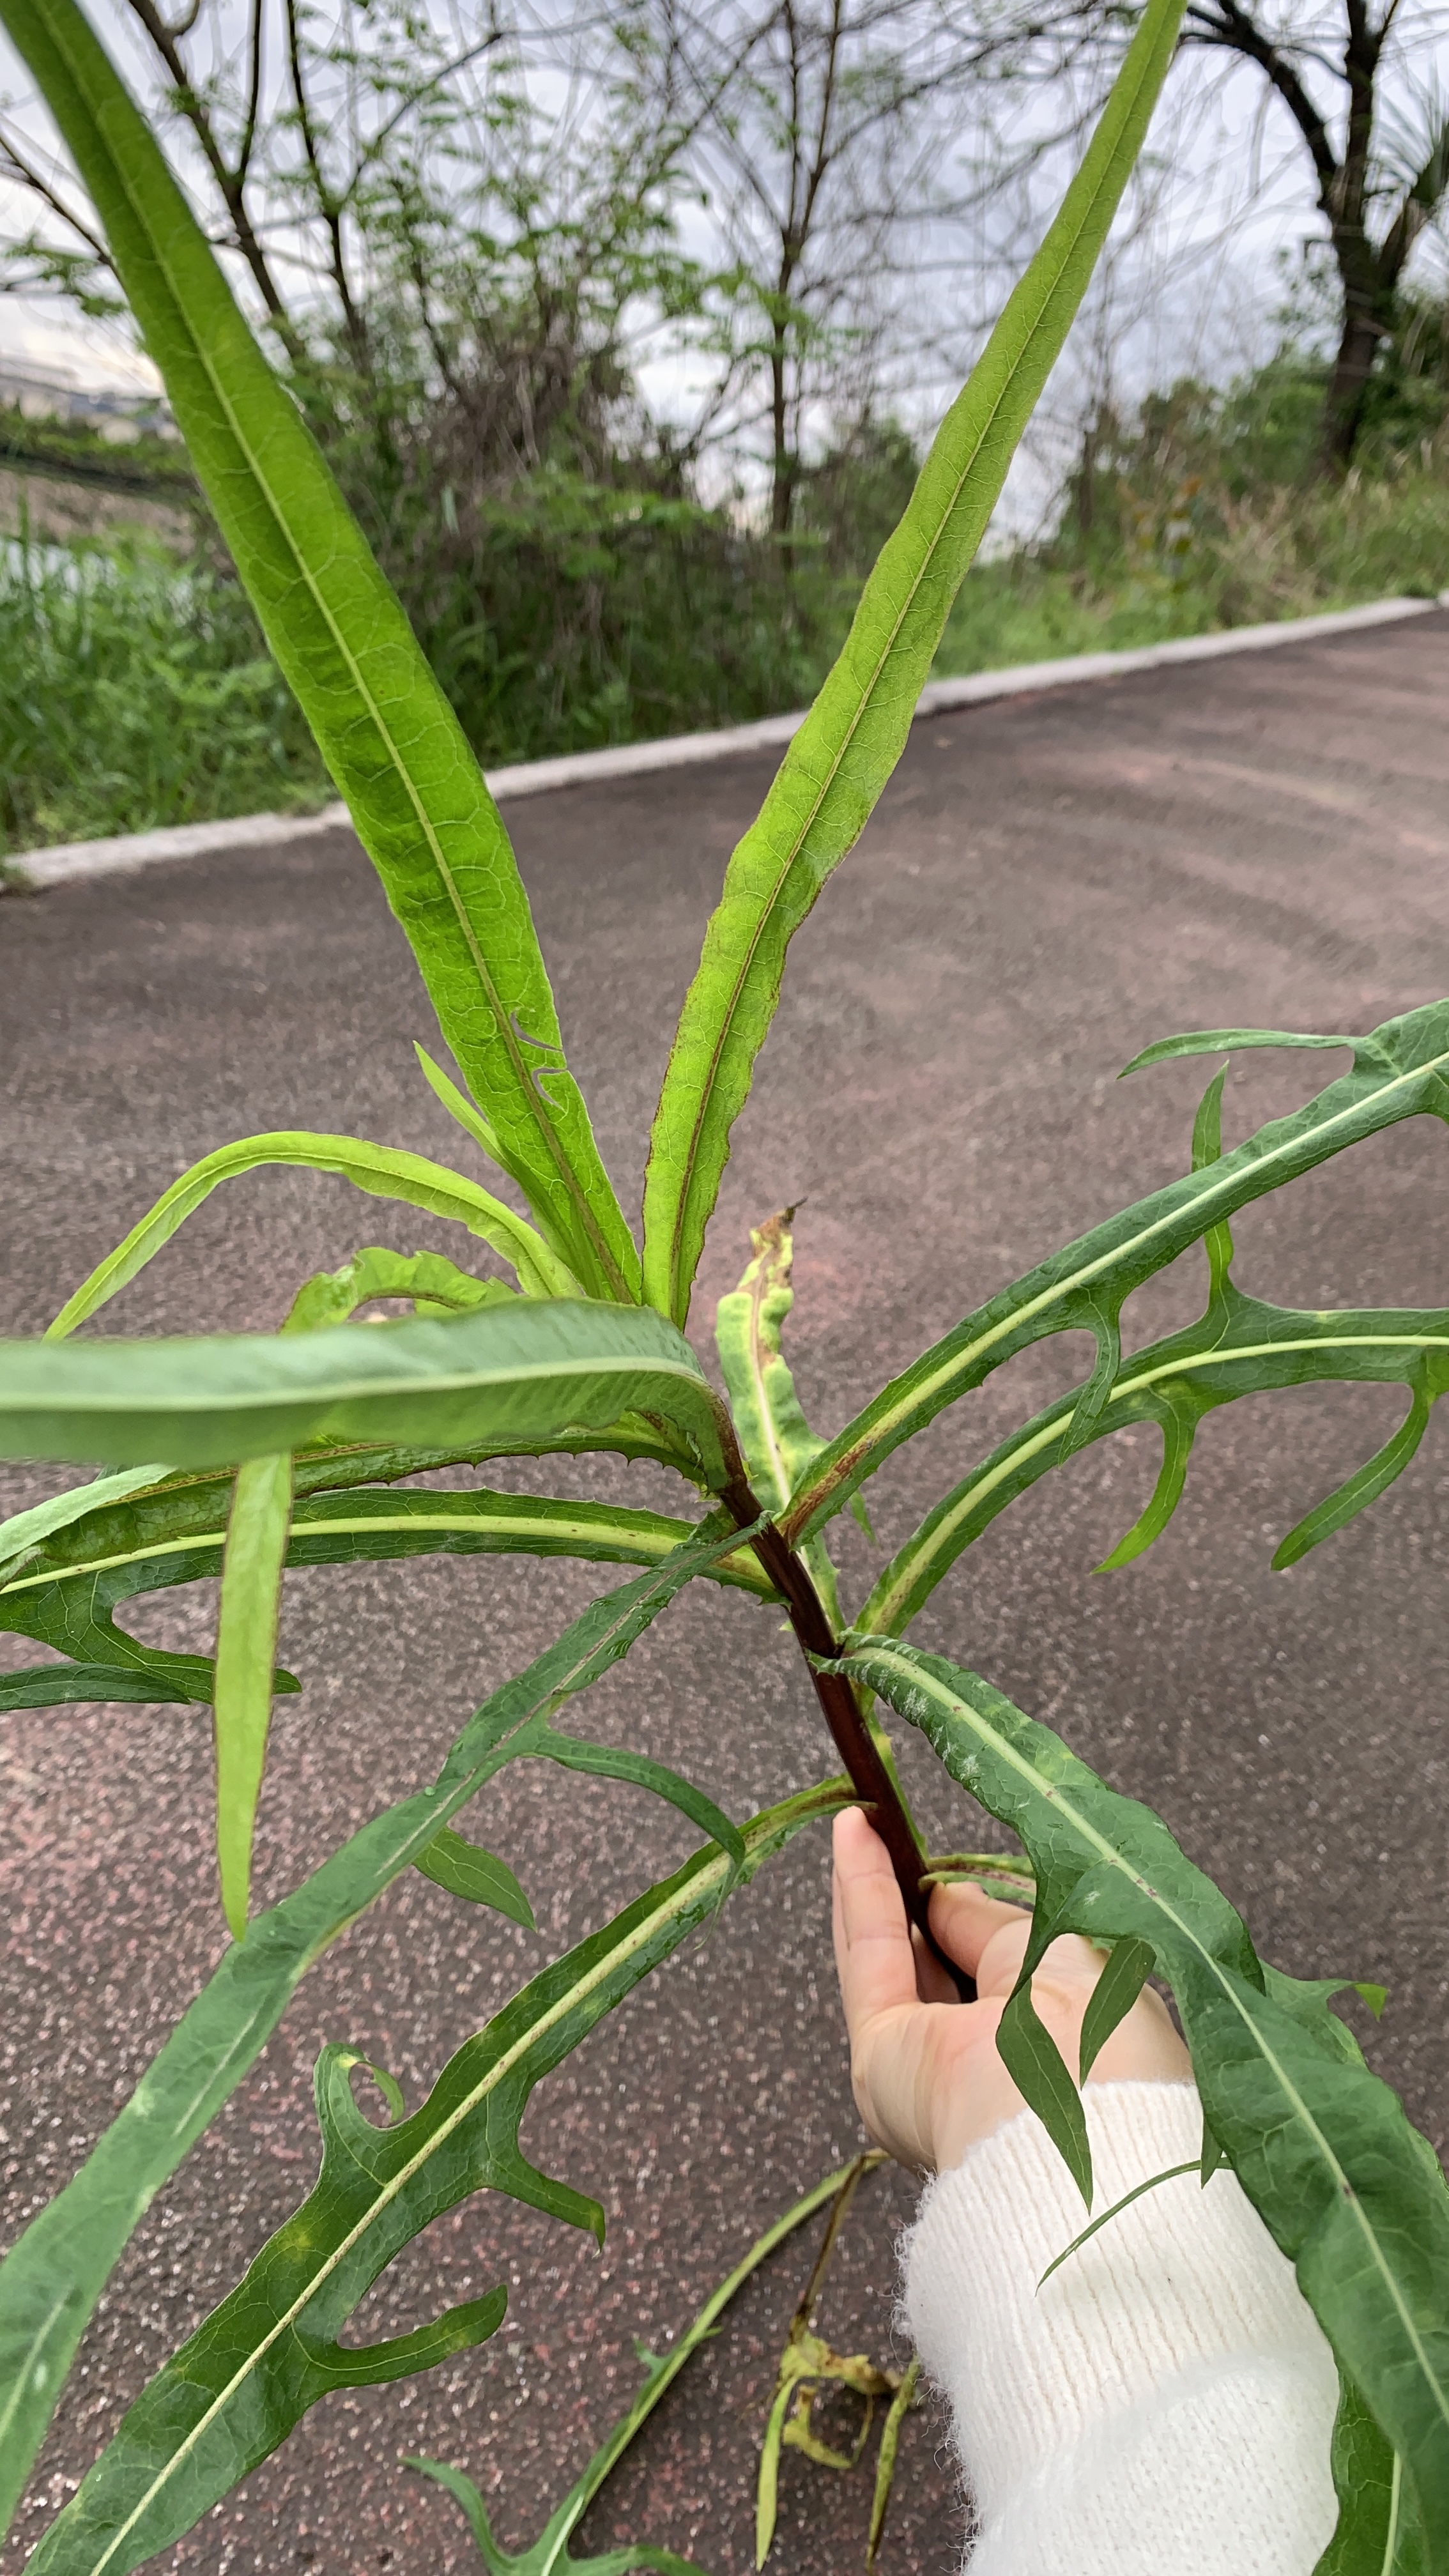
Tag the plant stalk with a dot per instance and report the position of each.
(854, 1742)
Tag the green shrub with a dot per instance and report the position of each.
(135, 692)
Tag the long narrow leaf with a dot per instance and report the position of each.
(69, 1602)
(270, 2350)
(381, 1170)
(63, 1685)
(246, 1644)
(382, 723)
(26, 1531)
(1399, 1072)
(518, 1372)
(53, 2275)
(843, 754)
(1352, 2195)
(115, 1515)
(74, 1614)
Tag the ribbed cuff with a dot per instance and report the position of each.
(1181, 2314)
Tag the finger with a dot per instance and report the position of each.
(873, 1955)
(934, 1981)
(964, 1919)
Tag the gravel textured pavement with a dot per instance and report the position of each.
(1048, 884)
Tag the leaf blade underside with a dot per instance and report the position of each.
(524, 1370)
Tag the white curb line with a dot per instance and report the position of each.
(72, 859)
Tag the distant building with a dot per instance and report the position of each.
(42, 393)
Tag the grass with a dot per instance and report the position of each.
(136, 692)
(1192, 562)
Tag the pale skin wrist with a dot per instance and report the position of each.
(929, 2081)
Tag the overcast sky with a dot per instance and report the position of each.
(1191, 285)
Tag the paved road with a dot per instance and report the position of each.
(1048, 884)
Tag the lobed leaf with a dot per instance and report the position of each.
(119, 1516)
(522, 1372)
(843, 754)
(550, 2554)
(54, 2274)
(382, 723)
(68, 1604)
(67, 1594)
(1351, 2194)
(25, 1531)
(1398, 1073)
(241, 2382)
(74, 1615)
(1242, 1346)
(381, 1170)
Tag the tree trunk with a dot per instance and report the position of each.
(1367, 319)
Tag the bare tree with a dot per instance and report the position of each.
(404, 212)
(829, 137)
(1377, 188)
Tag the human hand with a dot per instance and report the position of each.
(927, 2075)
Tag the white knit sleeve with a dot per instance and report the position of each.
(1163, 2406)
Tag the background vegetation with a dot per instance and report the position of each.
(467, 249)
(136, 690)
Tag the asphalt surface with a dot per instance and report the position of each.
(1048, 884)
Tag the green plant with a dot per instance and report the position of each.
(136, 692)
(550, 2552)
(242, 1455)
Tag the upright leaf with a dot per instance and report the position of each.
(776, 1438)
(246, 1645)
(1350, 2192)
(383, 725)
(843, 754)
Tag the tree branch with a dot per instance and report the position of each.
(1225, 24)
(167, 42)
(18, 167)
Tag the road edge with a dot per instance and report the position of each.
(34, 871)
